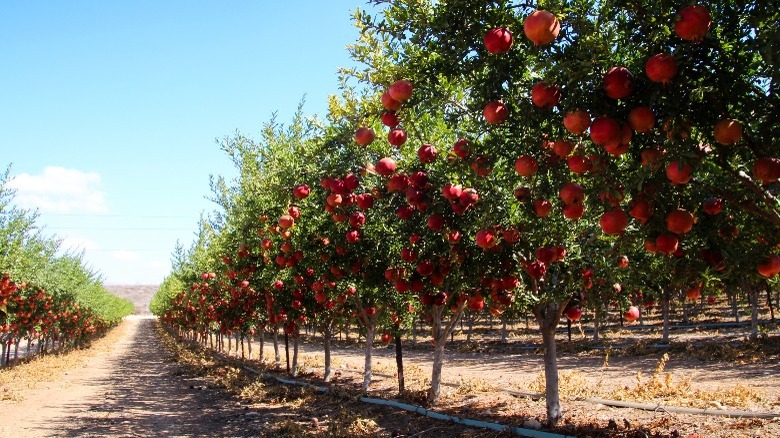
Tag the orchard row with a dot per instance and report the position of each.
(49, 301)
(538, 174)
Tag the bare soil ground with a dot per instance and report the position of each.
(138, 382)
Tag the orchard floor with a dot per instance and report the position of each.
(135, 383)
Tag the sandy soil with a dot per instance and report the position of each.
(133, 389)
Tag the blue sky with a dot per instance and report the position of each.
(109, 110)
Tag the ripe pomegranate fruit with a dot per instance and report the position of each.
(401, 90)
(397, 137)
(364, 136)
(389, 103)
(576, 121)
(495, 112)
(641, 119)
(678, 172)
(666, 243)
(728, 131)
(498, 41)
(661, 68)
(618, 83)
(614, 221)
(386, 166)
(545, 96)
(541, 27)
(692, 23)
(679, 221)
(766, 169)
(605, 131)
(526, 166)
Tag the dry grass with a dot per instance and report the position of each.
(678, 390)
(571, 384)
(472, 386)
(14, 382)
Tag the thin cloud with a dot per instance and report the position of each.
(75, 243)
(60, 190)
(126, 256)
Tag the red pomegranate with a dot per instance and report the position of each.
(390, 119)
(364, 136)
(498, 41)
(641, 119)
(401, 90)
(661, 68)
(605, 131)
(666, 243)
(286, 221)
(461, 148)
(495, 112)
(486, 239)
(579, 164)
(618, 83)
(713, 206)
(574, 313)
(571, 193)
(426, 153)
(386, 166)
(541, 27)
(397, 137)
(614, 221)
(770, 267)
(727, 131)
(389, 103)
(576, 121)
(632, 314)
(562, 148)
(766, 169)
(301, 191)
(692, 23)
(573, 211)
(542, 207)
(679, 221)
(545, 96)
(526, 166)
(678, 172)
(365, 201)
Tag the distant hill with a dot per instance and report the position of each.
(140, 295)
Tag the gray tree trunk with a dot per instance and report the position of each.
(370, 333)
(326, 342)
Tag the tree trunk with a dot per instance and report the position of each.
(735, 306)
(471, 328)
(596, 324)
(438, 361)
(287, 350)
(548, 315)
(399, 363)
(295, 356)
(261, 353)
(769, 302)
(440, 333)
(326, 343)
(503, 331)
(370, 333)
(753, 296)
(665, 312)
(277, 357)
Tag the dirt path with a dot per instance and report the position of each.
(133, 389)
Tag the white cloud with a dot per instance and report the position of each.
(74, 243)
(60, 190)
(126, 256)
